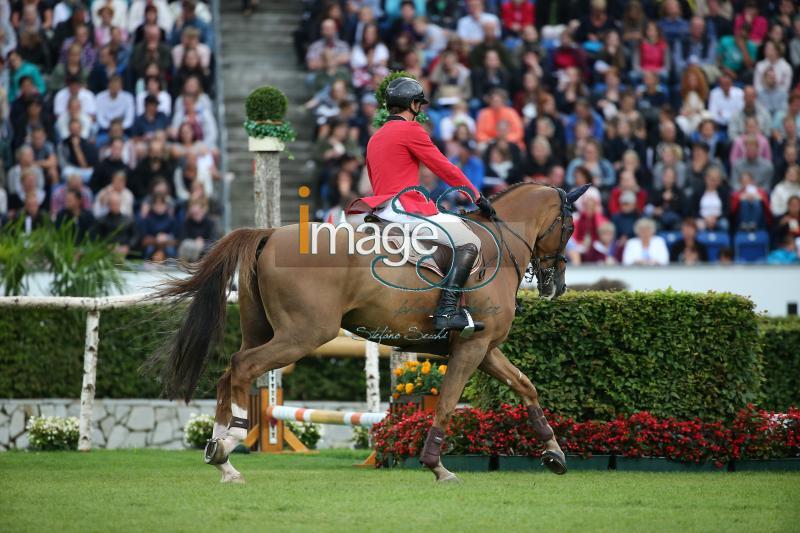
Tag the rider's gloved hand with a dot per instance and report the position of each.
(485, 207)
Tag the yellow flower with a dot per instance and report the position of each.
(395, 395)
(400, 387)
(434, 391)
(398, 371)
(426, 367)
(409, 388)
(443, 369)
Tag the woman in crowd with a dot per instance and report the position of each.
(369, 58)
(600, 169)
(646, 248)
(711, 205)
(786, 189)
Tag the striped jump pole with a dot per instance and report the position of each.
(321, 416)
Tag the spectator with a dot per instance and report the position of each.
(498, 111)
(74, 212)
(725, 101)
(492, 76)
(115, 103)
(28, 187)
(750, 130)
(110, 165)
(771, 97)
(186, 174)
(82, 40)
(105, 18)
(116, 226)
(140, 10)
(369, 58)
(790, 221)
(773, 59)
(627, 215)
(458, 115)
(76, 155)
(698, 48)
(452, 80)
(118, 189)
(669, 203)
(329, 40)
(627, 182)
(710, 206)
(751, 20)
(201, 119)
(758, 167)
(156, 165)
(151, 50)
(539, 162)
(152, 121)
(33, 49)
(44, 153)
(737, 54)
(786, 253)
(58, 199)
(154, 88)
(588, 220)
(646, 248)
(197, 233)
(694, 93)
(604, 250)
(158, 231)
(569, 54)
(700, 162)
(517, 14)
(188, 18)
(600, 169)
(470, 164)
(21, 70)
(471, 26)
(75, 89)
(687, 250)
(653, 53)
(788, 188)
(751, 108)
(672, 24)
(491, 42)
(192, 68)
(26, 163)
(31, 214)
(749, 205)
(191, 40)
(75, 112)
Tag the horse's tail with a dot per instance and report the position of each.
(183, 359)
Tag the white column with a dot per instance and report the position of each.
(371, 368)
(89, 375)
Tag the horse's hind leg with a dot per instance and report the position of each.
(256, 331)
(497, 365)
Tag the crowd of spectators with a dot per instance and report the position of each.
(108, 121)
(682, 115)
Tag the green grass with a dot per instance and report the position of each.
(147, 490)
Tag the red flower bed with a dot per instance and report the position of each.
(753, 434)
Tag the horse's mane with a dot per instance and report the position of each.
(510, 188)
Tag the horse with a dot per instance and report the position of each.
(292, 302)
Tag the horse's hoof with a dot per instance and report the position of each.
(449, 478)
(215, 452)
(236, 479)
(555, 462)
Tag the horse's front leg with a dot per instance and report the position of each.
(497, 365)
(463, 361)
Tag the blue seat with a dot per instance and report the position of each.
(671, 237)
(715, 242)
(751, 246)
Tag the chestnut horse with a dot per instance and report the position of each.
(292, 302)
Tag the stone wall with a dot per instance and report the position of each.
(140, 423)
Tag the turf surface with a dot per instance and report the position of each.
(148, 490)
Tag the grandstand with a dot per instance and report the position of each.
(684, 115)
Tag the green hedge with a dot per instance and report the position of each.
(41, 355)
(590, 355)
(593, 355)
(780, 338)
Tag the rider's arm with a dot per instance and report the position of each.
(423, 149)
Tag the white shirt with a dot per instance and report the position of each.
(448, 125)
(710, 204)
(359, 59)
(656, 253)
(783, 74)
(86, 97)
(120, 8)
(471, 30)
(723, 107)
(110, 108)
(136, 15)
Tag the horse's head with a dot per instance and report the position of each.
(550, 261)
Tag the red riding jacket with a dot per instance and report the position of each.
(393, 157)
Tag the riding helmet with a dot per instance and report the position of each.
(401, 92)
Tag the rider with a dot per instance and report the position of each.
(394, 154)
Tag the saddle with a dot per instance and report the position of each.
(438, 262)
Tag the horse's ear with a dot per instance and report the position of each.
(577, 193)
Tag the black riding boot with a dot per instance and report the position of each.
(448, 316)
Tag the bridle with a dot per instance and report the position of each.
(544, 276)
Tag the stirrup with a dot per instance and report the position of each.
(465, 325)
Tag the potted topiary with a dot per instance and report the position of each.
(265, 109)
